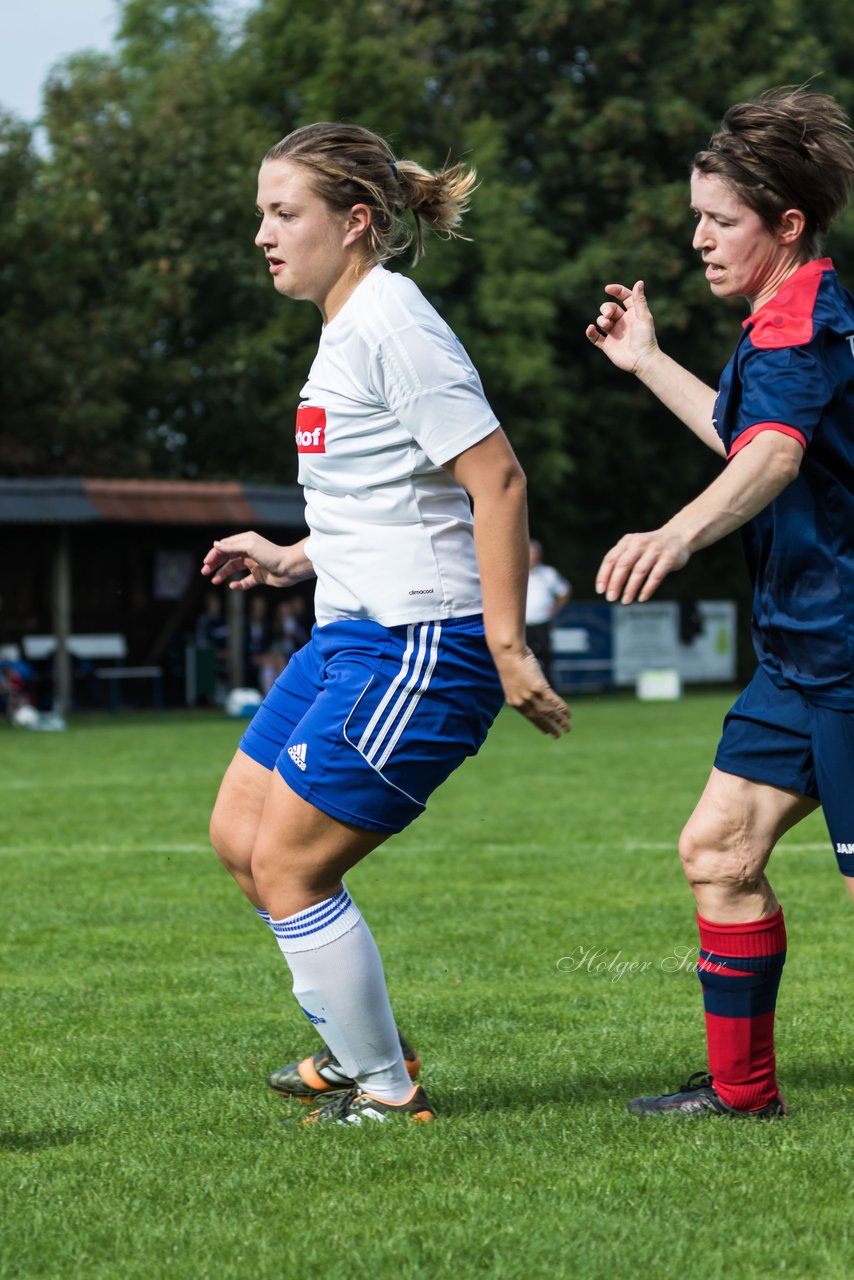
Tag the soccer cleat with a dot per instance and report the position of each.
(321, 1074)
(354, 1106)
(699, 1097)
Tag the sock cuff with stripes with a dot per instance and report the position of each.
(317, 926)
(751, 938)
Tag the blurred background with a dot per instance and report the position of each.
(150, 375)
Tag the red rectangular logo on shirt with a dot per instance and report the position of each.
(311, 429)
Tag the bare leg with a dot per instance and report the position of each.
(725, 848)
(301, 853)
(728, 840)
(288, 857)
(237, 817)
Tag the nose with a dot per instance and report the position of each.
(703, 238)
(264, 234)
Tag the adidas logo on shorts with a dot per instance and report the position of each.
(297, 754)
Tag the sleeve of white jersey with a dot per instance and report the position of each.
(558, 583)
(433, 389)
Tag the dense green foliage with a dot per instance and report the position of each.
(139, 334)
(142, 1004)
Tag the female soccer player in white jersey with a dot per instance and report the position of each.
(420, 605)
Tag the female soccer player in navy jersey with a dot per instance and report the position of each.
(420, 605)
(770, 182)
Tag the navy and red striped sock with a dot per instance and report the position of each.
(740, 966)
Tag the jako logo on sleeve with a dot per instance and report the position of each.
(311, 429)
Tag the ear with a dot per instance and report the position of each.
(358, 221)
(792, 226)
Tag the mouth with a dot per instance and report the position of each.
(713, 271)
(275, 264)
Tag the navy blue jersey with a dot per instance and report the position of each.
(793, 372)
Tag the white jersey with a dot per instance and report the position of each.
(545, 587)
(390, 397)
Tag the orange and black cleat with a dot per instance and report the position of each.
(354, 1107)
(321, 1074)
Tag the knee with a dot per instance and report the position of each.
(288, 883)
(259, 867)
(273, 871)
(231, 840)
(715, 855)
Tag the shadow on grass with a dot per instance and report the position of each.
(814, 1075)
(39, 1139)
(575, 1088)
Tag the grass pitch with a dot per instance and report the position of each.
(539, 943)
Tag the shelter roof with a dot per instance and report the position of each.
(71, 500)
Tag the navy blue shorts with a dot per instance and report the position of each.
(776, 736)
(366, 721)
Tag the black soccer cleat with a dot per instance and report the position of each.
(698, 1097)
(321, 1074)
(354, 1106)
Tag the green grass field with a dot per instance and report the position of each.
(143, 1004)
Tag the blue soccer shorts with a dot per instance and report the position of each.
(366, 721)
(775, 735)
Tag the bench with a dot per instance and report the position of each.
(115, 675)
(98, 648)
(86, 647)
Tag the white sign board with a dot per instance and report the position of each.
(646, 638)
(710, 655)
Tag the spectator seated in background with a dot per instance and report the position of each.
(257, 642)
(15, 678)
(212, 633)
(289, 633)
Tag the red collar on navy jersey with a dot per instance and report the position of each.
(786, 320)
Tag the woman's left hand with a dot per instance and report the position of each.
(528, 692)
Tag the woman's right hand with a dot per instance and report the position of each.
(624, 329)
(262, 562)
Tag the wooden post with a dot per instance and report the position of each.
(62, 620)
(235, 609)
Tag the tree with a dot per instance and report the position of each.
(23, 392)
(139, 329)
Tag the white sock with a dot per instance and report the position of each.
(328, 1072)
(340, 985)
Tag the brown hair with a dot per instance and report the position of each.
(788, 148)
(351, 165)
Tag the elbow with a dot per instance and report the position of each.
(786, 466)
(513, 494)
(506, 490)
(505, 483)
(515, 481)
(777, 459)
(792, 466)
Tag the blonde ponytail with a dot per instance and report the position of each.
(438, 199)
(350, 165)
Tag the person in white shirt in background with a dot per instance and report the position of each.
(548, 592)
(420, 601)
